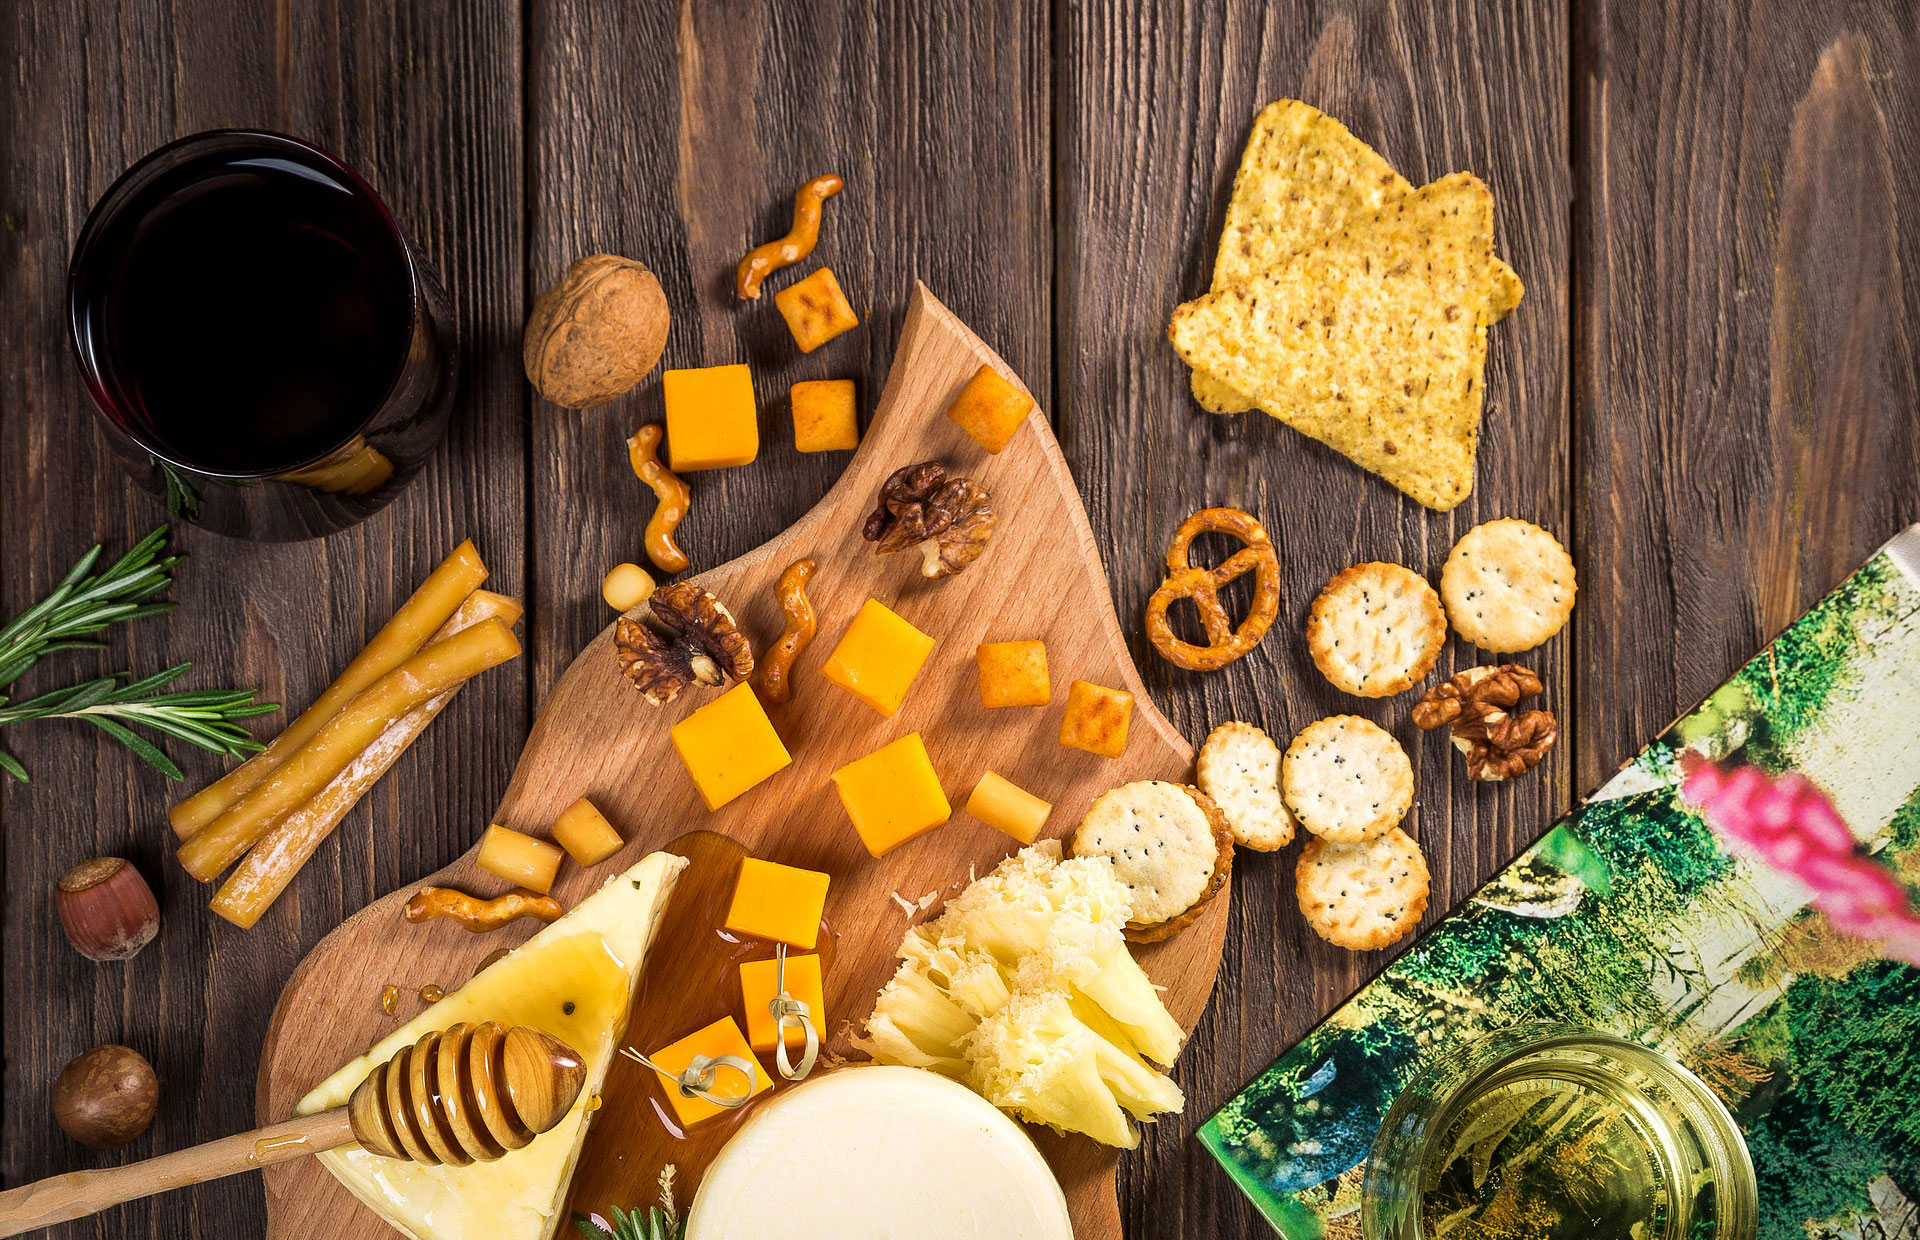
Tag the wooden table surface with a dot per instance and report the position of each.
(1709, 394)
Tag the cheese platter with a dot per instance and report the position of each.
(1040, 579)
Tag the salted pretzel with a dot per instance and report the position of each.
(1225, 643)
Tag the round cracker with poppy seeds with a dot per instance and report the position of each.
(1508, 585)
(1168, 843)
(1376, 629)
(1240, 769)
(1363, 896)
(1346, 779)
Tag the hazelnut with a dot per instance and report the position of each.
(107, 909)
(597, 333)
(106, 1097)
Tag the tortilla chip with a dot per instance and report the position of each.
(1303, 177)
(1374, 343)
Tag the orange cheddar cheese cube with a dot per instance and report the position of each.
(1096, 719)
(729, 745)
(518, 858)
(826, 416)
(585, 833)
(815, 310)
(892, 794)
(722, 1037)
(991, 408)
(1013, 674)
(712, 422)
(778, 902)
(878, 657)
(757, 991)
(1006, 806)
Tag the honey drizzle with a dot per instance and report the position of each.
(692, 979)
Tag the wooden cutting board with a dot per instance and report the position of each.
(1040, 577)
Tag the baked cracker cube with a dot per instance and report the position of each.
(826, 416)
(816, 310)
(1096, 719)
(991, 408)
(1013, 674)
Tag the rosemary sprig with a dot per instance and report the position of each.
(82, 605)
(660, 1222)
(203, 717)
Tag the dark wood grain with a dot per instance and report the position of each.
(1744, 353)
(425, 102)
(1706, 203)
(1155, 106)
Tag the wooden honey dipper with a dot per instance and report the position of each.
(458, 1096)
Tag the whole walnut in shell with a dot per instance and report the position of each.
(598, 332)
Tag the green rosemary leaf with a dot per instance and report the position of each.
(142, 748)
(83, 603)
(11, 765)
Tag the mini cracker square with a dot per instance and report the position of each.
(991, 408)
(1096, 719)
(815, 310)
(1346, 779)
(826, 416)
(1240, 770)
(1013, 674)
(1363, 896)
(1168, 843)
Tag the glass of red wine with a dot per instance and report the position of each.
(262, 346)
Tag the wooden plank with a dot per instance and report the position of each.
(1744, 360)
(677, 135)
(1154, 106)
(424, 100)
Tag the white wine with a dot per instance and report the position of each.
(1554, 1134)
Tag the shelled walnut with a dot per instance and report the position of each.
(689, 638)
(1478, 703)
(1499, 745)
(1501, 686)
(948, 519)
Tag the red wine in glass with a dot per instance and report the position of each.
(260, 342)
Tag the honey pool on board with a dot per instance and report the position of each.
(692, 979)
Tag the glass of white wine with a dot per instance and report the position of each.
(1549, 1132)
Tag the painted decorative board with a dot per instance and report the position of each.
(1632, 916)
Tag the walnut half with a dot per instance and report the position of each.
(1501, 686)
(690, 639)
(1479, 702)
(1499, 745)
(948, 519)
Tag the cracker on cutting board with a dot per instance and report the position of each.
(1168, 843)
(1346, 779)
(1508, 585)
(1374, 344)
(1240, 769)
(1376, 629)
(1363, 896)
(1303, 177)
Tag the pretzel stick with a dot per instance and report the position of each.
(429, 607)
(270, 868)
(308, 770)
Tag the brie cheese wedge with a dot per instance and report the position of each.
(575, 980)
(874, 1153)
